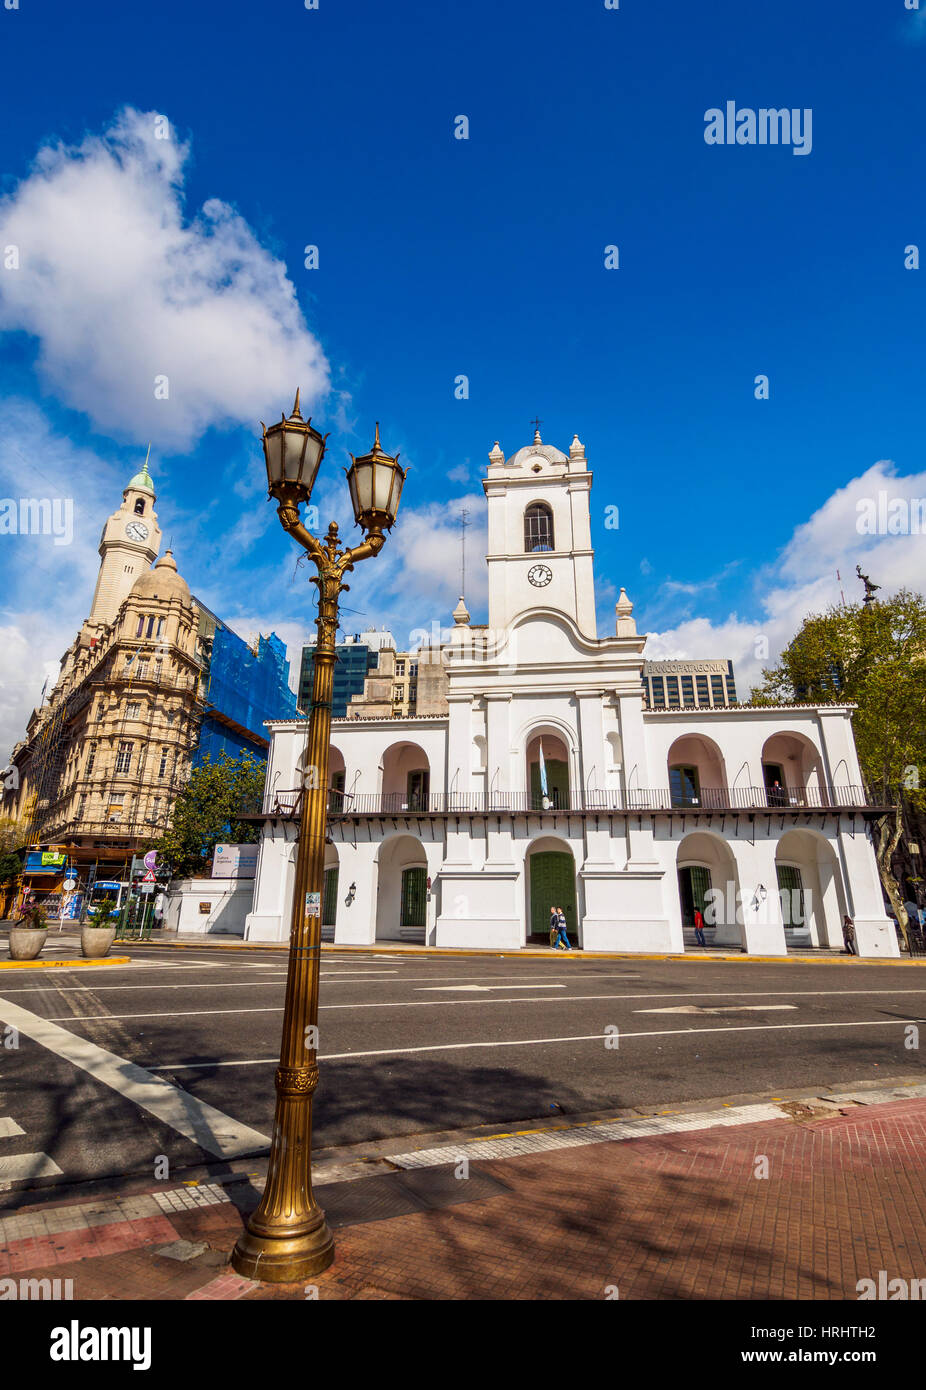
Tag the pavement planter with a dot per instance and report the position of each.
(96, 942)
(26, 942)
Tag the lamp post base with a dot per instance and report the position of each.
(282, 1259)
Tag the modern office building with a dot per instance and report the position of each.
(356, 658)
(688, 684)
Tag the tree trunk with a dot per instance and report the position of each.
(889, 829)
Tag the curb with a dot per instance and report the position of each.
(386, 948)
(70, 964)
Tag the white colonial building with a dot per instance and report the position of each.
(549, 782)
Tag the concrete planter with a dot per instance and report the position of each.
(96, 942)
(26, 942)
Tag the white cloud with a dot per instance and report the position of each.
(803, 579)
(119, 287)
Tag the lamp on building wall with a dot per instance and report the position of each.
(287, 1238)
(351, 894)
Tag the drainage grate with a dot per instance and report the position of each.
(402, 1194)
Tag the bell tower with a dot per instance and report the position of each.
(130, 543)
(540, 546)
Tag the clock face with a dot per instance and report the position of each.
(540, 575)
(136, 531)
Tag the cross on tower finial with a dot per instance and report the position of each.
(537, 423)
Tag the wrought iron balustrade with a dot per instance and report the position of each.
(708, 800)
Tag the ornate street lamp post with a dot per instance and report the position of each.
(287, 1238)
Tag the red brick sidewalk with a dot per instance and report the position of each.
(673, 1217)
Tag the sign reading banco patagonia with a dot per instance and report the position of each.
(235, 861)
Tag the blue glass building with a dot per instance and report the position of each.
(354, 660)
(242, 686)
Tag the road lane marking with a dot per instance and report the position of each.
(602, 1037)
(444, 1004)
(540, 1042)
(9, 1127)
(338, 974)
(442, 989)
(212, 1130)
(123, 989)
(720, 1009)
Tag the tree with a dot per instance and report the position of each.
(14, 834)
(10, 867)
(872, 655)
(206, 813)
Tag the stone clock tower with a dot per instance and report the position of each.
(540, 546)
(129, 544)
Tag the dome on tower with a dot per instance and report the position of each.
(142, 481)
(163, 581)
(538, 448)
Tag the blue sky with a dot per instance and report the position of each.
(483, 257)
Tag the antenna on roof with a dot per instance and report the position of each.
(464, 514)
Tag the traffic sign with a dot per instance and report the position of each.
(149, 877)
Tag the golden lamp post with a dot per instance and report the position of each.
(287, 1238)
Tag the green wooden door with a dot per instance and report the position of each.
(414, 897)
(552, 884)
(330, 897)
(694, 884)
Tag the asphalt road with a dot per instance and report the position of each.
(415, 1045)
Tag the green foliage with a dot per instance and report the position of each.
(99, 914)
(872, 655)
(10, 867)
(206, 813)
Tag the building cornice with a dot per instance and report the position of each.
(714, 710)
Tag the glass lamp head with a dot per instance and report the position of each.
(293, 451)
(375, 481)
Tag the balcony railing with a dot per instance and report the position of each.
(708, 799)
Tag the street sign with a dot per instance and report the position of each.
(147, 887)
(149, 877)
(151, 859)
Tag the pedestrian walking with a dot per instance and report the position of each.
(699, 927)
(848, 935)
(554, 927)
(562, 940)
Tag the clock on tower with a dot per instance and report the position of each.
(540, 548)
(130, 543)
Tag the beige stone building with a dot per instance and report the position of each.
(403, 685)
(105, 756)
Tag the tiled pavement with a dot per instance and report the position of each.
(685, 1214)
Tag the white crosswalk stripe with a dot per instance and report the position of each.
(19, 1167)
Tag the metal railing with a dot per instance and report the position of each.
(708, 799)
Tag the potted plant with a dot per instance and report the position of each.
(28, 936)
(99, 931)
